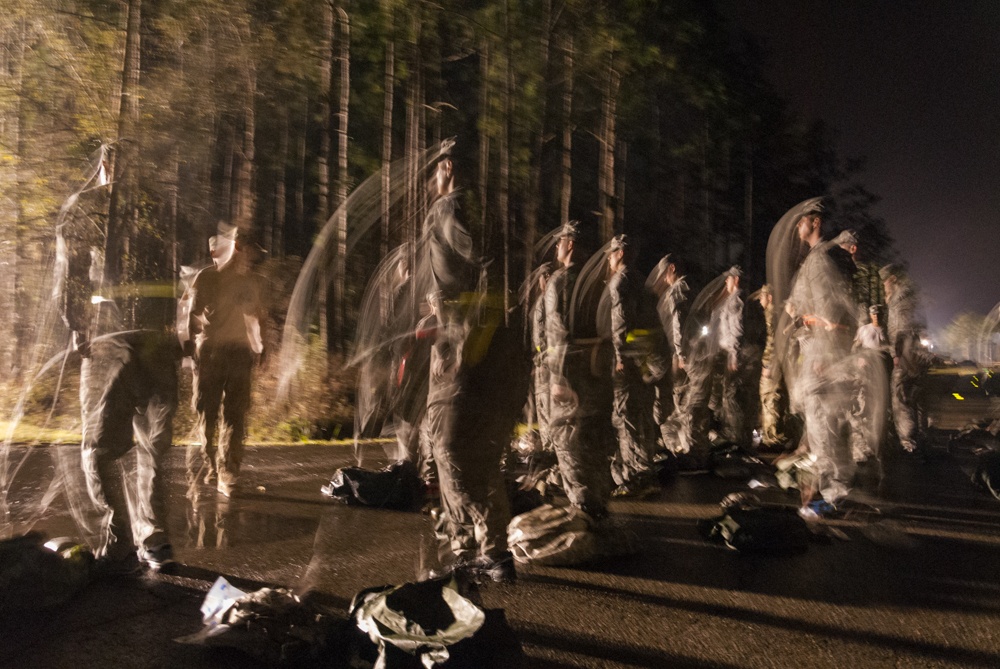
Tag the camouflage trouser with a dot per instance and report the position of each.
(908, 411)
(414, 445)
(712, 389)
(827, 432)
(581, 433)
(128, 388)
(663, 410)
(773, 408)
(470, 419)
(543, 405)
(631, 417)
(222, 381)
(473, 497)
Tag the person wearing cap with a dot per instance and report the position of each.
(476, 391)
(866, 284)
(821, 304)
(910, 359)
(128, 398)
(669, 288)
(580, 398)
(714, 330)
(224, 327)
(631, 466)
(871, 340)
(540, 385)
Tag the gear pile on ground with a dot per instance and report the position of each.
(748, 526)
(35, 574)
(395, 487)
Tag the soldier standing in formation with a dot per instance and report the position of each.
(631, 465)
(670, 290)
(580, 398)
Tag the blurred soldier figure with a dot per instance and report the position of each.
(869, 337)
(630, 415)
(866, 284)
(842, 250)
(476, 389)
(910, 361)
(580, 398)
(128, 397)
(670, 291)
(540, 389)
(821, 303)
(773, 395)
(224, 326)
(714, 331)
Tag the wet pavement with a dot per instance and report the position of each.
(913, 581)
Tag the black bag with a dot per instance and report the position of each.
(749, 528)
(987, 474)
(396, 487)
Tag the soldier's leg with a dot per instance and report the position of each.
(107, 409)
(902, 411)
(235, 406)
(154, 433)
(543, 408)
(827, 432)
(565, 441)
(633, 457)
(208, 388)
(455, 506)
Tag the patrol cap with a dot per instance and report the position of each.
(763, 290)
(814, 207)
(874, 309)
(847, 237)
(568, 230)
(735, 270)
(618, 243)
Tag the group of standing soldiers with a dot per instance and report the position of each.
(809, 366)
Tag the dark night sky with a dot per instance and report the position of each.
(914, 86)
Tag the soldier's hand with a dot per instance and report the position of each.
(619, 367)
(81, 344)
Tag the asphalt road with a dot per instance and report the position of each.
(913, 581)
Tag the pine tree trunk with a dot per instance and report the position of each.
(504, 204)
(387, 105)
(276, 237)
(484, 142)
(340, 265)
(325, 122)
(244, 200)
(606, 155)
(14, 260)
(566, 190)
(123, 177)
(534, 199)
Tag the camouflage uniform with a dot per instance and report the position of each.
(476, 390)
(824, 393)
(773, 398)
(128, 398)
(713, 374)
(580, 398)
(669, 387)
(631, 415)
(910, 365)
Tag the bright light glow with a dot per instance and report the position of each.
(926, 343)
(704, 330)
